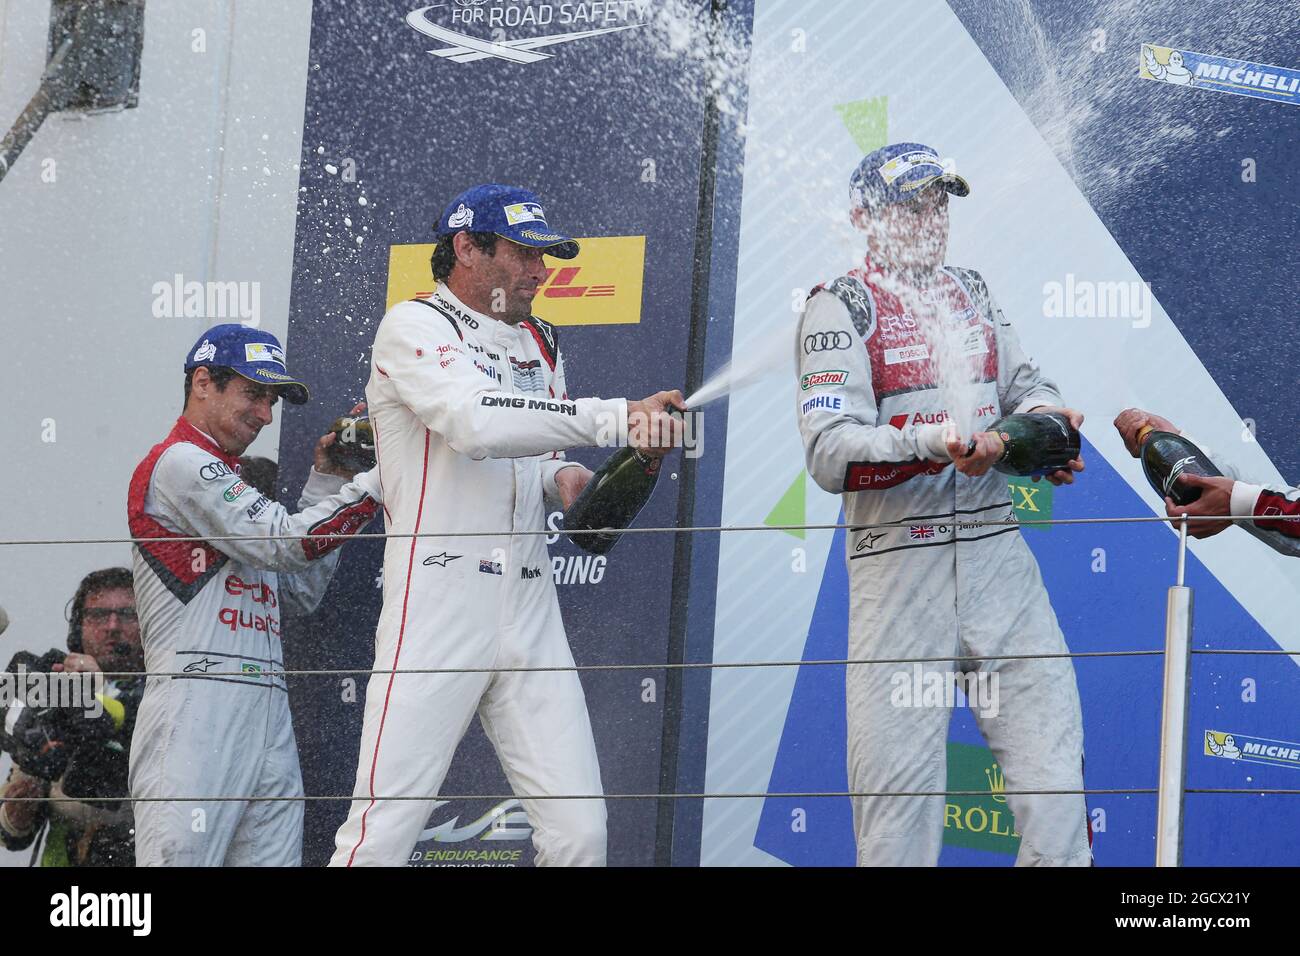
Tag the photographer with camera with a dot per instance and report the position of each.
(61, 752)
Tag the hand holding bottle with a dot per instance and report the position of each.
(651, 430)
(571, 480)
(1066, 475)
(1131, 422)
(1215, 499)
(1043, 442)
(976, 456)
(327, 462)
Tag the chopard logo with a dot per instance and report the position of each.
(493, 20)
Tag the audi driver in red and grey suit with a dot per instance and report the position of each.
(873, 421)
(210, 613)
(471, 414)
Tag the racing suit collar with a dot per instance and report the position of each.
(872, 267)
(489, 327)
(184, 430)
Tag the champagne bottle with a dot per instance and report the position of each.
(612, 499)
(1165, 456)
(1036, 443)
(354, 444)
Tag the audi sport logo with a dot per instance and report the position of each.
(826, 342)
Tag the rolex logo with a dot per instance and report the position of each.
(997, 782)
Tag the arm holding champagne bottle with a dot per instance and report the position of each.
(1222, 496)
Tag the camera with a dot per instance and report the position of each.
(55, 725)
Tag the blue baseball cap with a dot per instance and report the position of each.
(509, 211)
(252, 353)
(899, 172)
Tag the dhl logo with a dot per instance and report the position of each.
(560, 284)
(602, 286)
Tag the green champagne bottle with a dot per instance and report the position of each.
(612, 499)
(1035, 443)
(353, 447)
(1165, 456)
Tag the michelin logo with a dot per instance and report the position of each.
(1171, 71)
(1277, 753)
(1221, 74)
(829, 402)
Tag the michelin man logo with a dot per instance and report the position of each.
(462, 218)
(1221, 745)
(1172, 71)
(205, 352)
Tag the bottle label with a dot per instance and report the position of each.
(1174, 472)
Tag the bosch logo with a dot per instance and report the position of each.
(826, 342)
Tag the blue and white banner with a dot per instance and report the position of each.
(1221, 74)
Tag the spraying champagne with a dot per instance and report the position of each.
(613, 498)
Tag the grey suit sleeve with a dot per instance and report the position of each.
(837, 412)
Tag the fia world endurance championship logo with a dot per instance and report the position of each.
(487, 24)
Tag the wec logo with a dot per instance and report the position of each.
(505, 821)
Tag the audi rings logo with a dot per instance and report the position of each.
(214, 470)
(826, 342)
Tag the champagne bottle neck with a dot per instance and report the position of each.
(649, 462)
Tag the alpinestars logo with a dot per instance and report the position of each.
(448, 21)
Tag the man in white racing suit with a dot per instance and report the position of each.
(471, 413)
(881, 353)
(1274, 509)
(211, 610)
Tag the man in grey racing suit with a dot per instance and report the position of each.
(881, 353)
(211, 611)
